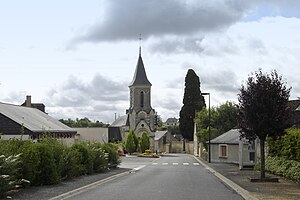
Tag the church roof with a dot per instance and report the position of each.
(120, 121)
(140, 77)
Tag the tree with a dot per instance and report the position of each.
(263, 109)
(223, 118)
(144, 142)
(193, 101)
(130, 145)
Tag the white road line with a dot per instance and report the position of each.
(165, 163)
(196, 163)
(185, 163)
(175, 163)
(155, 163)
(138, 168)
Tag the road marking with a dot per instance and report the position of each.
(165, 163)
(185, 163)
(137, 168)
(155, 163)
(175, 163)
(196, 163)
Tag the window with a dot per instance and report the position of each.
(223, 150)
(142, 99)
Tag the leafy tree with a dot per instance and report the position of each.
(223, 118)
(144, 142)
(263, 109)
(193, 101)
(130, 145)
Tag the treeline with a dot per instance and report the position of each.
(49, 162)
(82, 123)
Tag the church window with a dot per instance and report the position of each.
(142, 99)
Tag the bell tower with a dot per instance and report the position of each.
(141, 114)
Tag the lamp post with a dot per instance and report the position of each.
(209, 153)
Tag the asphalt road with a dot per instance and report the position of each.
(172, 177)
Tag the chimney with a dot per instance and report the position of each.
(28, 101)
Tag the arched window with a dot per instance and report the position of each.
(142, 99)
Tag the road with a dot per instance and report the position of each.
(172, 177)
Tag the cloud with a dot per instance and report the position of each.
(101, 97)
(124, 20)
(177, 45)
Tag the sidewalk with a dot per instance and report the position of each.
(283, 190)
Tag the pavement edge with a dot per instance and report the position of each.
(88, 187)
(241, 191)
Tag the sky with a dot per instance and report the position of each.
(78, 57)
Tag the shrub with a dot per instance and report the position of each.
(86, 157)
(71, 164)
(112, 151)
(9, 171)
(144, 142)
(130, 144)
(283, 167)
(288, 146)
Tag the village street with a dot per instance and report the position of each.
(172, 177)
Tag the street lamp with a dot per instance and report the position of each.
(209, 153)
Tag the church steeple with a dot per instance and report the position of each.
(140, 77)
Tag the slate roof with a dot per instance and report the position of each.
(121, 121)
(140, 77)
(230, 137)
(159, 134)
(33, 119)
(294, 104)
(172, 120)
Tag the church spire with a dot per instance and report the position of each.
(140, 77)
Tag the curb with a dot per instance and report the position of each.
(241, 191)
(89, 186)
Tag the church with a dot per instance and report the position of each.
(140, 117)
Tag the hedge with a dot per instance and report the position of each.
(49, 161)
(283, 167)
(288, 146)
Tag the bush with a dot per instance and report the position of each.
(283, 167)
(144, 142)
(112, 151)
(86, 156)
(9, 171)
(72, 164)
(288, 146)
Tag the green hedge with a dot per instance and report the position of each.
(288, 146)
(283, 167)
(49, 161)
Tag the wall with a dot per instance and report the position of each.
(232, 153)
(92, 134)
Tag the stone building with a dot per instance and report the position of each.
(140, 116)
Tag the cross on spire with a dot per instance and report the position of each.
(140, 49)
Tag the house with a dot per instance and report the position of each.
(28, 103)
(172, 122)
(30, 123)
(92, 134)
(294, 106)
(230, 148)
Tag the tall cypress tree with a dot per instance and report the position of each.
(193, 102)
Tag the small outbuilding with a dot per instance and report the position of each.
(230, 148)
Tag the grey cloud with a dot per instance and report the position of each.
(177, 45)
(76, 93)
(124, 20)
(224, 81)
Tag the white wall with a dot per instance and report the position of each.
(92, 134)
